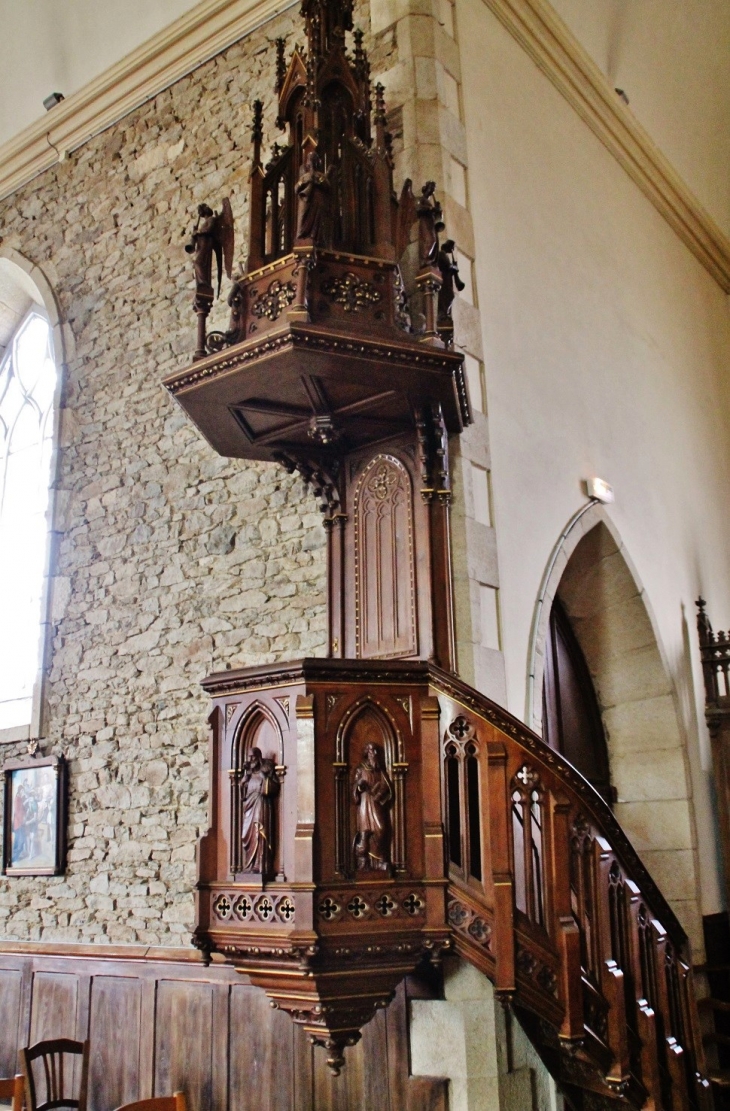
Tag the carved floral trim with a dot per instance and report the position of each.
(353, 293)
(272, 303)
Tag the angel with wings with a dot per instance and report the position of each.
(213, 234)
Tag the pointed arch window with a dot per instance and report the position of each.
(28, 377)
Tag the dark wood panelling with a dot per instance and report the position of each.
(53, 1010)
(261, 1073)
(10, 997)
(184, 1040)
(157, 1023)
(116, 1004)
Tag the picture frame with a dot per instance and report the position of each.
(35, 816)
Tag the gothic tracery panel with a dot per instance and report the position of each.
(384, 561)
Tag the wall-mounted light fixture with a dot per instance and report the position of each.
(599, 490)
(52, 100)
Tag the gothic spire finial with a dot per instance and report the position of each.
(280, 64)
(257, 131)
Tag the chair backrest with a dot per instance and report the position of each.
(159, 1103)
(52, 1062)
(12, 1089)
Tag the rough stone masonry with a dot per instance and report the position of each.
(169, 561)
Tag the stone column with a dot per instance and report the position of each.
(486, 1056)
(416, 56)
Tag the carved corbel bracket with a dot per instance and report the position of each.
(324, 482)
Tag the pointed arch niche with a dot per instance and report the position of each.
(600, 595)
(33, 351)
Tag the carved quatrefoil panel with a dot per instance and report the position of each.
(266, 908)
(468, 922)
(362, 904)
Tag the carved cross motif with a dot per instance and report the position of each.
(385, 906)
(413, 904)
(329, 909)
(244, 906)
(460, 728)
(285, 909)
(458, 914)
(480, 931)
(527, 777)
(357, 907)
(264, 908)
(222, 906)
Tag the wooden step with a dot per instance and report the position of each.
(710, 1004)
(716, 1039)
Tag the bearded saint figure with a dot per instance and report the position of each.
(259, 786)
(373, 793)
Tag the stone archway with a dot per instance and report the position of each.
(610, 616)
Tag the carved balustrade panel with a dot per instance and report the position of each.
(575, 933)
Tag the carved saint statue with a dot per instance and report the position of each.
(212, 235)
(312, 190)
(449, 268)
(373, 793)
(259, 786)
(430, 223)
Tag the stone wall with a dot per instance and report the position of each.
(169, 562)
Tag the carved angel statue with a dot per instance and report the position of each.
(449, 268)
(212, 235)
(427, 210)
(430, 223)
(373, 793)
(313, 191)
(259, 786)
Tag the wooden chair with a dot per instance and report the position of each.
(159, 1103)
(57, 1059)
(12, 1089)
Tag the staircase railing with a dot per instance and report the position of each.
(550, 900)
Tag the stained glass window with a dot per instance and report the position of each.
(27, 389)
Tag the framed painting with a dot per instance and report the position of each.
(34, 817)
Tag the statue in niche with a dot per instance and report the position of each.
(373, 794)
(449, 268)
(212, 235)
(259, 786)
(312, 190)
(430, 223)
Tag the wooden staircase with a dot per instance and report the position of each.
(524, 872)
(549, 899)
(715, 1008)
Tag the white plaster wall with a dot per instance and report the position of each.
(607, 352)
(59, 45)
(672, 58)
